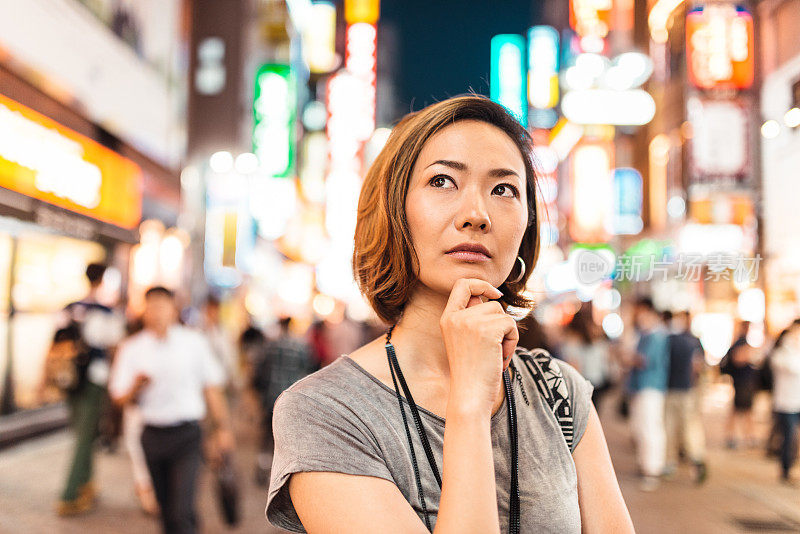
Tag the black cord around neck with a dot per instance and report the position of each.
(397, 375)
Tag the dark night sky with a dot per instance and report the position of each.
(442, 47)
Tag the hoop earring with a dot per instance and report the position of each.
(521, 272)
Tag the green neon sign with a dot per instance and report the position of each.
(274, 119)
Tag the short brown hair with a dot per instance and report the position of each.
(384, 259)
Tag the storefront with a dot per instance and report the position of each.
(66, 200)
(780, 159)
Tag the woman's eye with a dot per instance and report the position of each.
(507, 190)
(440, 181)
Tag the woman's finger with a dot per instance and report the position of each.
(465, 288)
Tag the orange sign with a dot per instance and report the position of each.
(719, 45)
(592, 191)
(590, 18)
(47, 161)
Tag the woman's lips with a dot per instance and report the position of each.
(465, 255)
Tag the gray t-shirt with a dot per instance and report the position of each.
(343, 419)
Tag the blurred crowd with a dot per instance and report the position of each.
(167, 384)
(660, 370)
(163, 380)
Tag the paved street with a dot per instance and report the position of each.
(31, 476)
(742, 494)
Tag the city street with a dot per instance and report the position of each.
(203, 202)
(741, 495)
(33, 475)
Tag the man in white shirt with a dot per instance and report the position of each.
(171, 373)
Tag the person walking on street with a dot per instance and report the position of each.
(585, 348)
(91, 329)
(171, 373)
(222, 345)
(683, 418)
(286, 360)
(746, 377)
(647, 384)
(785, 365)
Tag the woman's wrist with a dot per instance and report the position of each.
(467, 405)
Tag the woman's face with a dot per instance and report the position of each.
(467, 187)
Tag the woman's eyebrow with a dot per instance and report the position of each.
(459, 166)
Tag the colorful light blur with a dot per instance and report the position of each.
(507, 86)
(543, 67)
(590, 18)
(361, 60)
(627, 214)
(633, 107)
(319, 38)
(367, 11)
(720, 47)
(274, 119)
(591, 187)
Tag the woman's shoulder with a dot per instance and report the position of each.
(539, 361)
(321, 383)
(566, 393)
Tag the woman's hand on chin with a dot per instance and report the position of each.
(480, 338)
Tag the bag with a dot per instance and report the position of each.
(547, 376)
(228, 491)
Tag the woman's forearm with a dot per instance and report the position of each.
(469, 495)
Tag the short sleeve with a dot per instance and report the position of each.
(580, 395)
(212, 372)
(122, 373)
(312, 435)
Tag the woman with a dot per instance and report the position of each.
(785, 365)
(584, 347)
(446, 238)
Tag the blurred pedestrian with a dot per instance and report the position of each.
(585, 348)
(222, 345)
(286, 360)
(132, 428)
(738, 364)
(533, 336)
(90, 329)
(647, 384)
(320, 347)
(772, 445)
(683, 417)
(171, 373)
(342, 334)
(785, 364)
(252, 343)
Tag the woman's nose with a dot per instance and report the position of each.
(473, 212)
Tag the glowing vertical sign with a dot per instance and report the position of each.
(319, 38)
(274, 118)
(361, 60)
(507, 85)
(627, 216)
(590, 17)
(720, 47)
(543, 67)
(590, 178)
(356, 11)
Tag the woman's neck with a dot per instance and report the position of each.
(418, 337)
